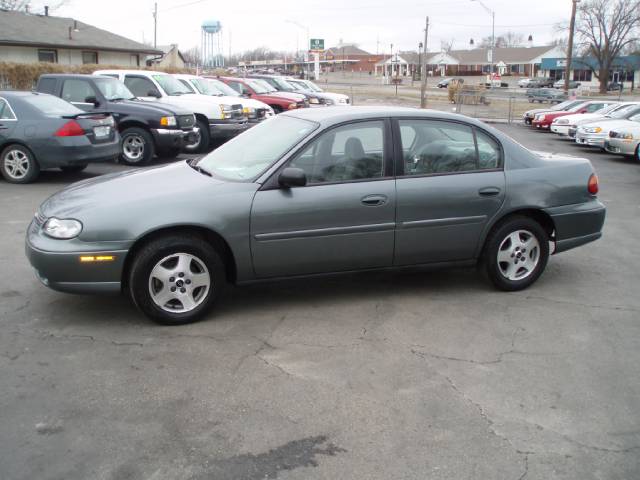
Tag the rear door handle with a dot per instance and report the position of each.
(374, 200)
(2, 127)
(489, 191)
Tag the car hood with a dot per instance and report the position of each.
(578, 118)
(614, 124)
(141, 106)
(296, 97)
(122, 206)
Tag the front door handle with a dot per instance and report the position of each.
(374, 200)
(2, 127)
(489, 191)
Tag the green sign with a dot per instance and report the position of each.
(316, 44)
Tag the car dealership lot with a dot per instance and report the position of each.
(381, 375)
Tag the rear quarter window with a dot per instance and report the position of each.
(47, 85)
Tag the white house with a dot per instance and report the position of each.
(29, 38)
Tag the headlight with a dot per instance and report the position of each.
(249, 112)
(225, 111)
(626, 136)
(540, 118)
(328, 101)
(63, 229)
(168, 121)
(592, 129)
(314, 100)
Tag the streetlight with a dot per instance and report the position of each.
(304, 27)
(493, 34)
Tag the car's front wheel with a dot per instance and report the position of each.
(18, 164)
(202, 141)
(516, 253)
(174, 280)
(137, 146)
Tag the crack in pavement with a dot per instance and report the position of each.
(624, 308)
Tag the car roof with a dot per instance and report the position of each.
(136, 72)
(333, 115)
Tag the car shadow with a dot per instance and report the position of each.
(372, 286)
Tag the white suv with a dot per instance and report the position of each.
(255, 110)
(216, 119)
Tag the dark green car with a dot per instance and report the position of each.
(311, 192)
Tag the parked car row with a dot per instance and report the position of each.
(139, 113)
(603, 124)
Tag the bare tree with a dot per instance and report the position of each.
(193, 56)
(446, 45)
(30, 6)
(506, 40)
(606, 28)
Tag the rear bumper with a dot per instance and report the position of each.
(577, 224)
(56, 154)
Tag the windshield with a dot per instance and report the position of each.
(113, 89)
(567, 104)
(205, 87)
(312, 86)
(50, 105)
(260, 86)
(635, 118)
(251, 153)
(222, 87)
(611, 108)
(283, 84)
(171, 85)
(577, 107)
(624, 111)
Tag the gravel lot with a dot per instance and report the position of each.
(412, 375)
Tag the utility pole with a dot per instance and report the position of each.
(155, 24)
(572, 26)
(423, 69)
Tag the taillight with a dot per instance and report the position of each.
(592, 186)
(70, 129)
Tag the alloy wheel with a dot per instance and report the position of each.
(133, 148)
(16, 164)
(179, 283)
(518, 255)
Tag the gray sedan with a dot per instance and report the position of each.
(312, 192)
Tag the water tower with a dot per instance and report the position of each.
(211, 44)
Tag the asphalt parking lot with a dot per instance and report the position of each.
(409, 375)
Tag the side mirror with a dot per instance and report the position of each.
(246, 95)
(93, 100)
(292, 177)
(153, 93)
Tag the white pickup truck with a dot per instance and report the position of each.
(255, 110)
(216, 120)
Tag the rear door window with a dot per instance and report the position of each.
(47, 85)
(139, 86)
(77, 91)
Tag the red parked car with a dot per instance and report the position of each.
(261, 90)
(543, 120)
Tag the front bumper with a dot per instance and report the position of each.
(541, 125)
(620, 146)
(58, 264)
(166, 138)
(560, 129)
(577, 224)
(222, 129)
(591, 139)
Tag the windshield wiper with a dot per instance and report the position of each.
(193, 163)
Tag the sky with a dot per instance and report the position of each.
(371, 24)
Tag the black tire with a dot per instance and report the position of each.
(136, 146)
(26, 172)
(277, 109)
(205, 139)
(149, 256)
(499, 237)
(169, 152)
(73, 168)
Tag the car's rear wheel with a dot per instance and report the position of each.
(73, 168)
(174, 280)
(136, 146)
(516, 253)
(277, 109)
(19, 164)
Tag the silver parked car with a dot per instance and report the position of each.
(317, 191)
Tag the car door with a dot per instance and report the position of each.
(451, 184)
(343, 219)
(8, 120)
(78, 91)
